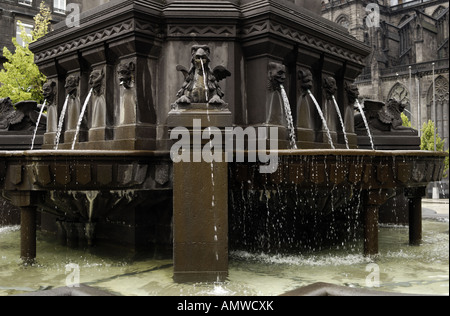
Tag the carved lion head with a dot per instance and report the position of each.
(96, 80)
(71, 85)
(329, 84)
(49, 91)
(277, 75)
(125, 72)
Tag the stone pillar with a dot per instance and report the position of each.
(329, 111)
(349, 96)
(332, 84)
(101, 109)
(266, 72)
(306, 111)
(374, 199)
(200, 214)
(415, 196)
(50, 89)
(371, 230)
(52, 93)
(135, 128)
(24, 201)
(76, 87)
(28, 234)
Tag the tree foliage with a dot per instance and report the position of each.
(406, 121)
(427, 142)
(21, 79)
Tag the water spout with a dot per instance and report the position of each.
(290, 120)
(366, 123)
(80, 120)
(61, 122)
(341, 120)
(91, 196)
(204, 80)
(323, 119)
(37, 124)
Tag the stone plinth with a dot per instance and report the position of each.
(200, 201)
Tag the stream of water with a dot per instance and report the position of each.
(61, 122)
(341, 121)
(80, 119)
(37, 124)
(324, 121)
(369, 133)
(290, 120)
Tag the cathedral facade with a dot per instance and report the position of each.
(409, 60)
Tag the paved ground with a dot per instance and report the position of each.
(435, 208)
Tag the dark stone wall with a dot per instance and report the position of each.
(9, 214)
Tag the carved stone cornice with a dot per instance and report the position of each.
(202, 31)
(298, 37)
(204, 20)
(107, 34)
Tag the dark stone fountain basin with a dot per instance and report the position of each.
(321, 197)
(125, 195)
(130, 185)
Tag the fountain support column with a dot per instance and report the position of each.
(28, 234)
(200, 198)
(28, 213)
(374, 200)
(415, 196)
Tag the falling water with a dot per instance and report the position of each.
(290, 120)
(80, 120)
(37, 124)
(61, 122)
(366, 123)
(204, 80)
(323, 119)
(91, 196)
(342, 121)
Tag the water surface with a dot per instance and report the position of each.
(402, 268)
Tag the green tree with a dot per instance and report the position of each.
(21, 79)
(427, 141)
(406, 121)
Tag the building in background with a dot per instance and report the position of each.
(15, 12)
(409, 39)
(410, 58)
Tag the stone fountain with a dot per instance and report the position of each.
(234, 64)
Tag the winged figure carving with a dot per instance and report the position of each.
(201, 82)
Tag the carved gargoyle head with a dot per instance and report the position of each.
(96, 81)
(125, 74)
(306, 79)
(329, 84)
(49, 91)
(200, 53)
(277, 75)
(395, 107)
(71, 85)
(352, 92)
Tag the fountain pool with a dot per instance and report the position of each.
(403, 268)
